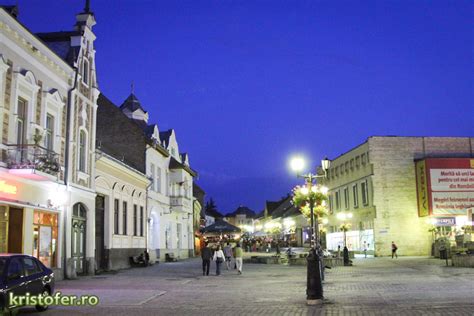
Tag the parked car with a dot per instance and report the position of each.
(21, 274)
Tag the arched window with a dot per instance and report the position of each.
(82, 151)
(85, 71)
(79, 211)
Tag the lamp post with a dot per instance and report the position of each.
(312, 195)
(345, 227)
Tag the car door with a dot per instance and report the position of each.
(33, 276)
(15, 279)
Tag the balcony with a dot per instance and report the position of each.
(32, 161)
(180, 203)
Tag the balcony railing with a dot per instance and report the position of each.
(32, 157)
(179, 202)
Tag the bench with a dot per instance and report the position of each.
(333, 262)
(138, 261)
(169, 257)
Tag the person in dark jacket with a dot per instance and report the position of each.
(206, 255)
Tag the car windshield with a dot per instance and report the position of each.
(3, 263)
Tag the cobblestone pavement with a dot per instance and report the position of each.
(381, 286)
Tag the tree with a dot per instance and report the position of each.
(211, 209)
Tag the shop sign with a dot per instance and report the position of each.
(7, 188)
(445, 186)
(444, 221)
(422, 189)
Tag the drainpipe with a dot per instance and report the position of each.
(66, 159)
(146, 204)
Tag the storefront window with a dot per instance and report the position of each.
(3, 228)
(45, 237)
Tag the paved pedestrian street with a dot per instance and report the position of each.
(380, 286)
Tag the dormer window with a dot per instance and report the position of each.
(85, 71)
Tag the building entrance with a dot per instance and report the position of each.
(79, 237)
(101, 260)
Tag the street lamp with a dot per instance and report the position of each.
(345, 227)
(312, 196)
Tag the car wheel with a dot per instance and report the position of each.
(41, 308)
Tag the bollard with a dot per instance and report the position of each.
(314, 290)
(346, 256)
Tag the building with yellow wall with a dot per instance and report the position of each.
(376, 183)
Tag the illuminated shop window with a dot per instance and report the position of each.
(45, 237)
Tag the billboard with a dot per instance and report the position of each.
(445, 186)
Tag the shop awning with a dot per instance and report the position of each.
(221, 226)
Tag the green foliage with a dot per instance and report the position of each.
(211, 209)
(345, 227)
(304, 201)
(274, 230)
(37, 137)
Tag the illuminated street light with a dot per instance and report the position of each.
(297, 164)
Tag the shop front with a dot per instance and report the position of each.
(30, 213)
(355, 240)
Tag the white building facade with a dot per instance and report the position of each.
(170, 193)
(121, 218)
(47, 111)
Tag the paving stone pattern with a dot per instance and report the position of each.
(380, 286)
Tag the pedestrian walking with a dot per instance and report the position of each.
(219, 259)
(228, 255)
(206, 255)
(365, 249)
(239, 253)
(394, 250)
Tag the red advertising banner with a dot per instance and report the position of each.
(445, 186)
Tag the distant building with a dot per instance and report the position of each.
(281, 220)
(242, 217)
(211, 216)
(377, 182)
(199, 217)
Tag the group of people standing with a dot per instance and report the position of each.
(220, 256)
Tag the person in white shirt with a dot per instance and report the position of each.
(219, 259)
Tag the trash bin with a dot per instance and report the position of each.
(443, 254)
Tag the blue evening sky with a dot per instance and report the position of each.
(247, 83)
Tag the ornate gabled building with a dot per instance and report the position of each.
(121, 185)
(48, 93)
(170, 193)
